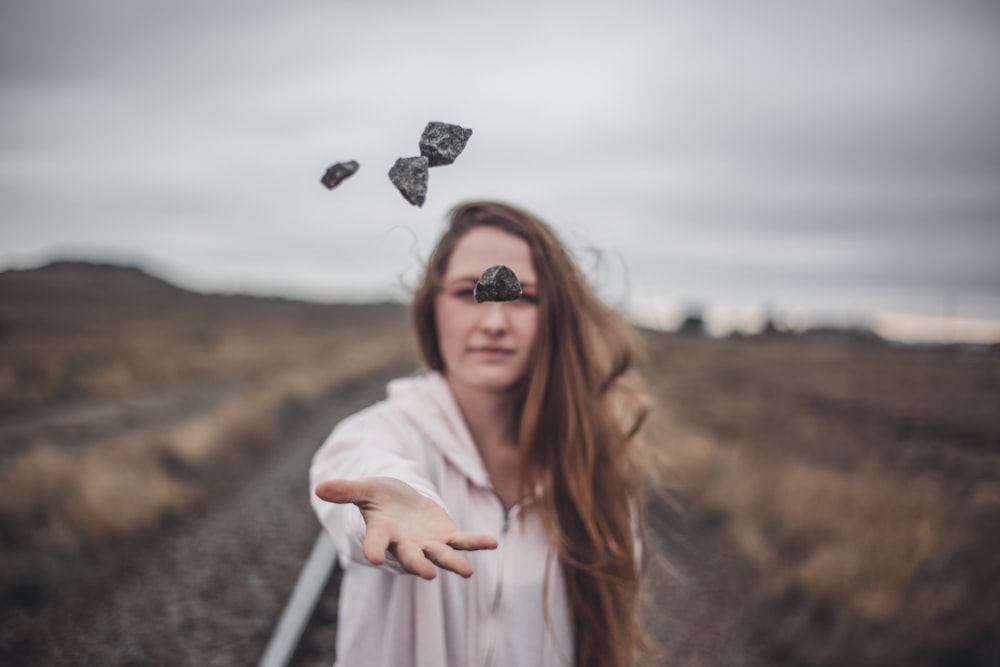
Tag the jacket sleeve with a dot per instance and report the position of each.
(368, 444)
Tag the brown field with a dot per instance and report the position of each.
(853, 489)
(846, 493)
(126, 404)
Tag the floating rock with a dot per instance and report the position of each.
(409, 175)
(442, 143)
(498, 283)
(339, 173)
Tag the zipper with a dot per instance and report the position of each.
(503, 533)
(504, 528)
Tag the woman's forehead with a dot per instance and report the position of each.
(483, 247)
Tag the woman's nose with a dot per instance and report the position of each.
(494, 317)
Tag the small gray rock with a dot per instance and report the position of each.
(338, 173)
(498, 283)
(409, 175)
(442, 143)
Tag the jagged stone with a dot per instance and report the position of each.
(442, 143)
(338, 173)
(409, 175)
(498, 283)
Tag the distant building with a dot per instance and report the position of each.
(771, 328)
(693, 323)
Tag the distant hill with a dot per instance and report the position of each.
(75, 330)
(72, 278)
(75, 280)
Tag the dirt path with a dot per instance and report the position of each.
(212, 593)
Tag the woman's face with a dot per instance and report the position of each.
(486, 345)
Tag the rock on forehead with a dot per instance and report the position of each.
(498, 283)
(409, 175)
(442, 143)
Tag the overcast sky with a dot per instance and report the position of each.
(824, 159)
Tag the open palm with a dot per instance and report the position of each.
(411, 526)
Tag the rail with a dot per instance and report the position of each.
(299, 609)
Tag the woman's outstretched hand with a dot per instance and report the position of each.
(411, 526)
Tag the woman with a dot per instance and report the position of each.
(513, 462)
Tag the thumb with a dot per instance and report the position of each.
(341, 491)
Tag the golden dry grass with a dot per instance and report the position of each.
(880, 552)
(70, 498)
(85, 472)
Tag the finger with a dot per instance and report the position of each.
(472, 541)
(375, 545)
(413, 560)
(341, 491)
(447, 558)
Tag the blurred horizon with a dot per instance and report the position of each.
(711, 320)
(826, 164)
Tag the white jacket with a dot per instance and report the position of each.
(512, 611)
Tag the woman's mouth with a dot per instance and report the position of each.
(492, 351)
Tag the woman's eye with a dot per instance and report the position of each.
(464, 294)
(530, 298)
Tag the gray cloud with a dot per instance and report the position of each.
(723, 149)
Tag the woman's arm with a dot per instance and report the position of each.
(373, 495)
(406, 524)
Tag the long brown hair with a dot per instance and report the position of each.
(579, 426)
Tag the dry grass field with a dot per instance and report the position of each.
(126, 404)
(852, 488)
(848, 492)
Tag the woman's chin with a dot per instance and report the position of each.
(491, 378)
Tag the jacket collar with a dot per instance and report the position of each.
(429, 405)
